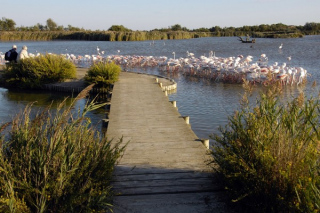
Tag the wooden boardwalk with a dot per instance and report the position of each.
(164, 167)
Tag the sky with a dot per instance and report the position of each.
(150, 14)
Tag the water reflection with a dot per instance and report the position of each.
(39, 98)
(13, 102)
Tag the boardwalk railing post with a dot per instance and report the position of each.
(157, 80)
(109, 95)
(160, 85)
(205, 142)
(186, 118)
(108, 106)
(105, 123)
(174, 103)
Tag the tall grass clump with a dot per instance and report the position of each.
(269, 156)
(55, 161)
(37, 71)
(103, 74)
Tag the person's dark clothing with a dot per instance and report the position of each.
(13, 55)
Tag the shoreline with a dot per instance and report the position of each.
(78, 84)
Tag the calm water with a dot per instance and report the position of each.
(207, 104)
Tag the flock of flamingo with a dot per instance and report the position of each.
(217, 69)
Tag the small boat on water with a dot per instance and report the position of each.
(247, 40)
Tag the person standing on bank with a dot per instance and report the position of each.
(12, 54)
(23, 53)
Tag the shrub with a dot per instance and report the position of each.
(37, 71)
(268, 154)
(56, 162)
(102, 74)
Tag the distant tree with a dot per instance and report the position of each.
(51, 24)
(35, 28)
(255, 28)
(71, 28)
(120, 28)
(311, 26)
(246, 28)
(202, 30)
(176, 27)
(263, 28)
(161, 30)
(279, 27)
(215, 29)
(7, 24)
(22, 28)
(60, 28)
(41, 27)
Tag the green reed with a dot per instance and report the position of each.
(102, 74)
(56, 161)
(268, 154)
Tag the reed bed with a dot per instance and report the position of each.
(268, 154)
(135, 35)
(56, 161)
(99, 35)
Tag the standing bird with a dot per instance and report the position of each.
(189, 54)
(174, 55)
(98, 50)
(280, 47)
(289, 60)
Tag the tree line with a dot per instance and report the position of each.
(120, 33)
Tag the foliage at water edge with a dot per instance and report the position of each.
(34, 72)
(268, 154)
(56, 162)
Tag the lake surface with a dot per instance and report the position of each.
(207, 104)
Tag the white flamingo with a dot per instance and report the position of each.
(281, 45)
(191, 55)
(98, 50)
(289, 59)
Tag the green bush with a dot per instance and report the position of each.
(268, 154)
(37, 71)
(102, 74)
(56, 162)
